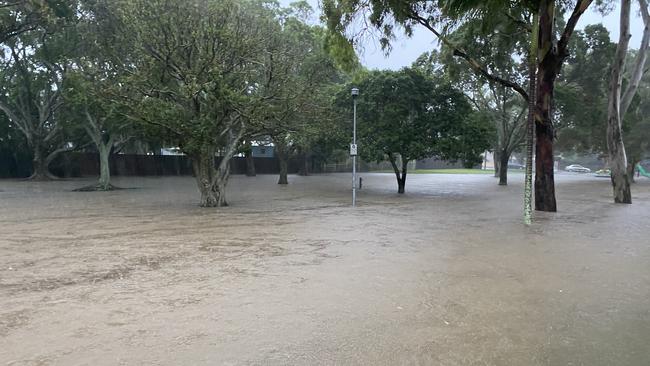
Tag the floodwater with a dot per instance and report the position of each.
(444, 275)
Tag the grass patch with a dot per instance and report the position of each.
(453, 171)
(445, 171)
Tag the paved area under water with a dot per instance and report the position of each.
(444, 275)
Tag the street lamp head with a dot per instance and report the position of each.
(355, 92)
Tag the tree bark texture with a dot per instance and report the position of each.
(530, 121)
(40, 169)
(496, 158)
(615, 145)
(281, 151)
(210, 181)
(104, 182)
(282, 159)
(401, 176)
(547, 70)
(250, 164)
(503, 167)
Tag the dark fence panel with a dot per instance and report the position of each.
(75, 164)
(15, 164)
(87, 164)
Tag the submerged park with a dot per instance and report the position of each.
(221, 182)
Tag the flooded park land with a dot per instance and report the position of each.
(292, 275)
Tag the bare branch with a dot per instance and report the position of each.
(580, 8)
(473, 63)
(639, 64)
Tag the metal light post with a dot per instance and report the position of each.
(353, 146)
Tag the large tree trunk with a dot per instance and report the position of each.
(221, 181)
(41, 164)
(617, 156)
(503, 167)
(496, 158)
(548, 68)
(631, 170)
(203, 166)
(402, 182)
(281, 153)
(210, 181)
(104, 182)
(544, 163)
(39, 169)
(283, 169)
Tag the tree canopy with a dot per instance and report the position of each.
(404, 115)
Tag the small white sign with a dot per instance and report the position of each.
(353, 149)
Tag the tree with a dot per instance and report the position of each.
(23, 16)
(404, 116)
(297, 70)
(501, 105)
(13, 151)
(620, 99)
(94, 86)
(30, 96)
(442, 14)
(636, 127)
(90, 106)
(581, 102)
(198, 76)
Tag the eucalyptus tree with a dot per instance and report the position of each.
(437, 16)
(23, 16)
(581, 101)
(404, 115)
(90, 106)
(94, 86)
(504, 47)
(30, 96)
(620, 99)
(296, 72)
(197, 77)
(636, 127)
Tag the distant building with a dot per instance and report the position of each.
(171, 151)
(263, 151)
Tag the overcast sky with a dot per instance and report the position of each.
(406, 50)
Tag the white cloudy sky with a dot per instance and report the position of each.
(406, 50)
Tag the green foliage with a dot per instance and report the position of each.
(636, 125)
(198, 67)
(22, 16)
(581, 94)
(405, 113)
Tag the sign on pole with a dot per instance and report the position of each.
(353, 149)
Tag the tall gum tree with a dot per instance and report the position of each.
(94, 85)
(296, 71)
(30, 97)
(444, 14)
(620, 99)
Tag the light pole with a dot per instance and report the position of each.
(353, 146)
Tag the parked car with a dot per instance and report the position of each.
(576, 168)
(603, 173)
(516, 166)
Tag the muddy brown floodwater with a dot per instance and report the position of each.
(444, 275)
